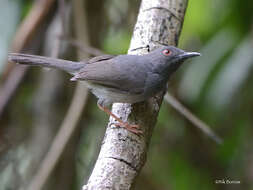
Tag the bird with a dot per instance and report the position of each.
(118, 78)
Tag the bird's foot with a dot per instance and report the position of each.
(132, 128)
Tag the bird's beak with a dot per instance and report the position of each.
(187, 55)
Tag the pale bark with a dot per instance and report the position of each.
(123, 153)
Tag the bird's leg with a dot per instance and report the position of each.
(132, 128)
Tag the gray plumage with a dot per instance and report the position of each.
(122, 78)
(35, 60)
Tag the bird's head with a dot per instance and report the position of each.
(169, 58)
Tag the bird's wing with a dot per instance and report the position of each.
(125, 76)
(100, 58)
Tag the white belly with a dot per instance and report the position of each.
(114, 96)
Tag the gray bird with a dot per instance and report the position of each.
(121, 78)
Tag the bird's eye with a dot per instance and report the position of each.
(166, 52)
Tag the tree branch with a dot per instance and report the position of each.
(192, 118)
(123, 154)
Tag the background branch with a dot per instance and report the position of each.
(12, 74)
(74, 112)
(192, 118)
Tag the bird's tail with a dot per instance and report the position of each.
(34, 60)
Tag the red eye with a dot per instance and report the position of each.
(166, 52)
